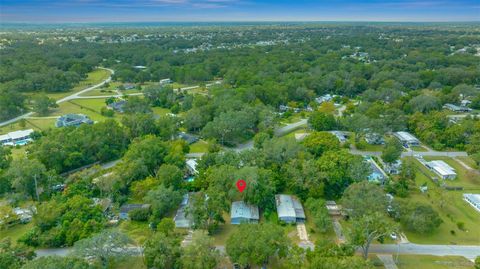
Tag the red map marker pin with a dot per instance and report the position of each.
(241, 185)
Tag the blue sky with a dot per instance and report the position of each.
(237, 10)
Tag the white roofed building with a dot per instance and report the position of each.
(473, 200)
(407, 139)
(442, 169)
(242, 212)
(192, 166)
(289, 209)
(182, 219)
(16, 138)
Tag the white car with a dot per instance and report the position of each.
(393, 236)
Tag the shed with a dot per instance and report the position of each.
(129, 207)
(289, 209)
(242, 212)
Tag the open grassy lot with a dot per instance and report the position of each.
(129, 263)
(138, 231)
(111, 89)
(469, 161)
(452, 209)
(160, 111)
(15, 232)
(199, 146)
(94, 77)
(432, 262)
(89, 107)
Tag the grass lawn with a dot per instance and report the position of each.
(224, 231)
(17, 126)
(137, 230)
(467, 179)
(129, 263)
(199, 146)
(94, 77)
(469, 161)
(89, 107)
(419, 148)
(160, 111)
(452, 210)
(368, 147)
(432, 262)
(15, 232)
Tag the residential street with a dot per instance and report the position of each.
(469, 252)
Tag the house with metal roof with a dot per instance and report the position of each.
(407, 139)
(242, 212)
(289, 209)
(442, 169)
(16, 138)
(73, 120)
(456, 108)
(192, 166)
(374, 139)
(341, 136)
(182, 218)
(473, 200)
(190, 139)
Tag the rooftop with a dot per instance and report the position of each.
(240, 209)
(289, 206)
(442, 168)
(405, 136)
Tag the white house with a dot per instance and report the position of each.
(407, 139)
(473, 200)
(16, 138)
(442, 169)
(456, 108)
(192, 166)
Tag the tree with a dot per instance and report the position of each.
(42, 104)
(5, 157)
(255, 244)
(477, 262)
(137, 105)
(139, 125)
(392, 150)
(200, 253)
(27, 176)
(163, 200)
(419, 217)
(170, 176)
(367, 228)
(424, 103)
(364, 198)
(162, 251)
(207, 214)
(167, 127)
(105, 246)
(56, 262)
(140, 188)
(322, 121)
(319, 214)
(13, 257)
(319, 142)
(328, 255)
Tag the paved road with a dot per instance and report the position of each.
(469, 252)
(67, 98)
(290, 127)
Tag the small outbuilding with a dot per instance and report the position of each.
(289, 209)
(242, 212)
(125, 209)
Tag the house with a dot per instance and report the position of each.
(473, 200)
(442, 169)
(393, 168)
(165, 81)
(407, 139)
(192, 166)
(128, 86)
(242, 212)
(129, 207)
(182, 218)
(341, 136)
(24, 215)
(324, 98)
(118, 106)
(333, 208)
(289, 209)
(456, 108)
(16, 138)
(73, 120)
(190, 139)
(465, 103)
(283, 108)
(374, 139)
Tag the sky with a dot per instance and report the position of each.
(91, 11)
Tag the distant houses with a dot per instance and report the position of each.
(73, 120)
(341, 136)
(473, 200)
(125, 209)
(442, 169)
(242, 212)
(456, 108)
(17, 138)
(24, 215)
(118, 106)
(289, 209)
(374, 139)
(407, 139)
(325, 98)
(182, 219)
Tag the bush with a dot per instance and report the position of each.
(107, 112)
(461, 226)
(139, 214)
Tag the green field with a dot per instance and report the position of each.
(199, 146)
(138, 231)
(93, 78)
(452, 209)
(432, 262)
(15, 232)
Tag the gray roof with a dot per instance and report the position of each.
(406, 137)
(73, 120)
(289, 206)
(472, 197)
(240, 209)
(129, 207)
(182, 219)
